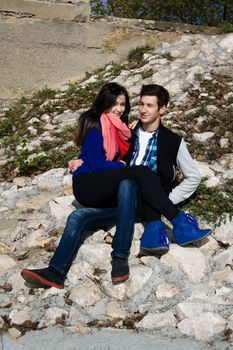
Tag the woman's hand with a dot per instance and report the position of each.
(75, 163)
(133, 124)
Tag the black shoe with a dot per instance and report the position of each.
(120, 270)
(44, 277)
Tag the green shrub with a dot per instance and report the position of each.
(226, 27)
(135, 56)
(213, 203)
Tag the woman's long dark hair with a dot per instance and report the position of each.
(105, 99)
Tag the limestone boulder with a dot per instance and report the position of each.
(152, 321)
(203, 327)
(190, 261)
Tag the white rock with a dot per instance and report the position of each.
(152, 262)
(166, 291)
(76, 318)
(65, 200)
(224, 142)
(67, 185)
(5, 300)
(213, 181)
(152, 321)
(51, 180)
(135, 247)
(114, 311)
(223, 291)
(175, 86)
(139, 277)
(78, 272)
(19, 317)
(188, 260)
(53, 291)
(1, 322)
(86, 294)
(37, 239)
(52, 316)
(95, 254)
(4, 248)
(3, 209)
(34, 202)
(205, 169)
(203, 327)
(6, 263)
(81, 328)
(219, 277)
(210, 245)
(191, 111)
(228, 174)
(138, 230)
(227, 161)
(20, 181)
(59, 212)
(224, 232)
(32, 130)
(66, 118)
(117, 292)
(223, 259)
(132, 80)
(14, 333)
(211, 108)
(21, 298)
(203, 137)
(17, 282)
(191, 72)
(226, 42)
(191, 309)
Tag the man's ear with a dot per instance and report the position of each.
(163, 110)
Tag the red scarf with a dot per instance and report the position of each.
(115, 134)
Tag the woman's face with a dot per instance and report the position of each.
(119, 106)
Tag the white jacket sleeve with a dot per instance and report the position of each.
(192, 177)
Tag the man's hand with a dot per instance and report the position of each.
(133, 124)
(75, 163)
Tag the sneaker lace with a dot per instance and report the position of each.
(163, 237)
(192, 219)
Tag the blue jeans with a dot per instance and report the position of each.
(85, 220)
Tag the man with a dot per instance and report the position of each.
(157, 147)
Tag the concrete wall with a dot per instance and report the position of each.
(79, 10)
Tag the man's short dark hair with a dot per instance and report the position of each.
(156, 90)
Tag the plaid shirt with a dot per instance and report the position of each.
(150, 156)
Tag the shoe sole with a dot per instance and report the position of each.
(155, 251)
(120, 279)
(36, 279)
(195, 240)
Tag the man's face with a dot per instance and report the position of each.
(148, 109)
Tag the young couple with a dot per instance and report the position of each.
(116, 174)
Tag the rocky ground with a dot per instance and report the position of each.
(186, 293)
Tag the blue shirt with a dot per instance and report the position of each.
(93, 155)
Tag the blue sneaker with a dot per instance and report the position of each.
(154, 239)
(186, 230)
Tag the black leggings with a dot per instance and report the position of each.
(100, 189)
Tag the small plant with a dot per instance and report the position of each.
(226, 27)
(213, 203)
(5, 127)
(42, 95)
(147, 73)
(135, 56)
(168, 56)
